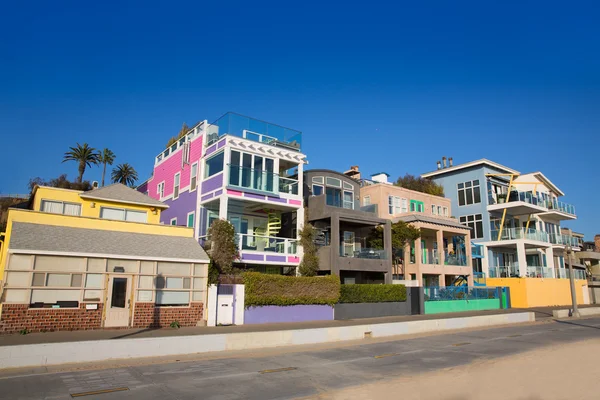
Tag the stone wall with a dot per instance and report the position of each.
(16, 317)
(147, 315)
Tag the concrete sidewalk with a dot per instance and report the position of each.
(116, 334)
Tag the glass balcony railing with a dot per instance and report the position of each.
(255, 130)
(563, 240)
(509, 271)
(538, 272)
(520, 233)
(476, 250)
(530, 198)
(260, 180)
(455, 259)
(348, 250)
(559, 206)
(563, 273)
(269, 244)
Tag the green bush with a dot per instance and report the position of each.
(372, 293)
(279, 290)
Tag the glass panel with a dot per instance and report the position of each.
(477, 195)
(317, 190)
(214, 165)
(334, 182)
(318, 179)
(119, 293)
(334, 197)
(349, 200)
(145, 282)
(60, 280)
(39, 279)
(186, 283)
(145, 295)
(348, 186)
(76, 280)
(172, 298)
(174, 283)
(190, 222)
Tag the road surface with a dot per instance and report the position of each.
(400, 368)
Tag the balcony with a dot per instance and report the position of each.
(520, 233)
(244, 178)
(255, 130)
(510, 271)
(559, 209)
(518, 203)
(455, 259)
(366, 253)
(563, 273)
(563, 240)
(538, 272)
(267, 244)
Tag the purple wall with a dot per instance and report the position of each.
(179, 208)
(299, 313)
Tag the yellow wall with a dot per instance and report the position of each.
(536, 292)
(72, 196)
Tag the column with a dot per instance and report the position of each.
(521, 258)
(550, 260)
(387, 246)
(469, 253)
(418, 252)
(223, 204)
(440, 244)
(442, 280)
(335, 243)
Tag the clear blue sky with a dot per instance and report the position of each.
(390, 87)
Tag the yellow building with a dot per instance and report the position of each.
(85, 260)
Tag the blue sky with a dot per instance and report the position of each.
(390, 87)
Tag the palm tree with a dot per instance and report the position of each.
(84, 155)
(125, 174)
(106, 157)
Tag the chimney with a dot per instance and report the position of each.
(597, 243)
(353, 172)
(95, 185)
(444, 162)
(450, 162)
(439, 165)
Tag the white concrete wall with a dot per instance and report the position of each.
(36, 355)
(212, 306)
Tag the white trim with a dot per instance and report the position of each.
(191, 176)
(187, 219)
(171, 221)
(547, 182)
(135, 203)
(178, 185)
(483, 161)
(111, 256)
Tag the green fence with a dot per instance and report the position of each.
(462, 298)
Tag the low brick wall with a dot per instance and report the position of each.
(147, 315)
(16, 317)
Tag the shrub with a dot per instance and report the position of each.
(279, 290)
(372, 293)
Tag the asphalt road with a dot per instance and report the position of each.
(288, 375)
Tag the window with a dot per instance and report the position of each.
(469, 193)
(190, 220)
(122, 214)
(60, 207)
(194, 177)
(474, 222)
(253, 172)
(334, 197)
(317, 190)
(349, 200)
(439, 210)
(445, 211)
(173, 221)
(433, 209)
(404, 205)
(56, 280)
(394, 205)
(160, 190)
(366, 200)
(214, 165)
(169, 291)
(417, 206)
(333, 182)
(176, 183)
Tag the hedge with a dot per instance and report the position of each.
(372, 293)
(279, 290)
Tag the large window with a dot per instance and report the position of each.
(60, 207)
(176, 184)
(123, 214)
(334, 196)
(194, 177)
(317, 190)
(252, 171)
(469, 193)
(395, 204)
(474, 222)
(214, 165)
(349, 200)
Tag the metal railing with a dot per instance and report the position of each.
(538, 272)
(559, 206)
(268, 244)
(510, 271)
(563, 273)
(434, 293)
(521, 233)
(288, 185)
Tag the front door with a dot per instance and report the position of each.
(118, 303)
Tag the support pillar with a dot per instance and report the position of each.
(387, 246)
(550, 260)
(335, 244)
(439, 236)
(521, 258)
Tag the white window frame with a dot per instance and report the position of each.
(176, 185)
(433, 209)
(193, 177)
(396, 204)
(366, 201)
(125, 211)
(160, 189)
(187, 220)
(63, 204)
(404, 205)
(173, 220)
(445, 211)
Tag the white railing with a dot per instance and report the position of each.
(269, 244)
(180, 142)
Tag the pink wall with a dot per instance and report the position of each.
(166, 170)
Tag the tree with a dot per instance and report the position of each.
(61, 182)
(310, 261)
(125, 174)
(184, 130)
(84, 155)
(223, 249)
(402, 234)
(106, 157)
(419, 184)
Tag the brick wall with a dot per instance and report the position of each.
(147, 315)
(597, 243)
(16, 317)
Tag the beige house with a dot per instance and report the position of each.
(442, 255)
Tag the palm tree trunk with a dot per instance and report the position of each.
(81, 171)
(103, 173)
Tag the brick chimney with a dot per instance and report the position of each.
(353, 172)
(597, 243)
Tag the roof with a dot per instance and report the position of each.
(430, 220)
(548, 183)
(120, 193)
(483, 161)
(379, 173)
(62, 239)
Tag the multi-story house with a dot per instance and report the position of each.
(243, 170)
(442, 255)
(86, 260)
(516, 217)
(344, 229)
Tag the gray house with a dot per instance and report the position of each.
(334, 209)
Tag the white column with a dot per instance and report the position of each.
(550, 260)
(521, 258)
(223, 203)
(485, 265)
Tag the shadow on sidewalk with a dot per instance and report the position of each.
(134, 333)
(577, 324)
